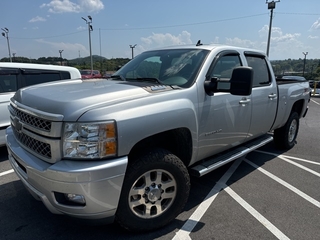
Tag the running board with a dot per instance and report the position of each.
(220, 160)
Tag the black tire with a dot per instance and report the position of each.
(285, 137)
(155, 190)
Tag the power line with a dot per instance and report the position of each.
(171, 26)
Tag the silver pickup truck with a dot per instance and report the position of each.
(123, 149)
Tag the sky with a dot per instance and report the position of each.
(44, 28)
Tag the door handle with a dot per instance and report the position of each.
(244, 101)
(272, 96)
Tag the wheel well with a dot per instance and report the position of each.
(178, 141)
(297, 107)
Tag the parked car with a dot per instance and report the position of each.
(123, 149)
(14, 76)
(86, 74)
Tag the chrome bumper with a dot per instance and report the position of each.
(99, 182)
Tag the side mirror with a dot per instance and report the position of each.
(241, 81)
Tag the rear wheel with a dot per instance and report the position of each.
(285, 137)
(154, 192)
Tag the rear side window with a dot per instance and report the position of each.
(33, 76)
(8, 80)
(65, 75)
(261, 75)
(8, 83)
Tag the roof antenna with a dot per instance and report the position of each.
(199, 43)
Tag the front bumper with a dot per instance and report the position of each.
(99, 182)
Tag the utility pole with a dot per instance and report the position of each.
(304, 61)
(132, 47)
(60, 51)
(5, 33)
(90, 29)
(271, 6)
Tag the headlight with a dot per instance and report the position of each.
(89, 140)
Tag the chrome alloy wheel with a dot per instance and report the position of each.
(292, 130)
(152, 193)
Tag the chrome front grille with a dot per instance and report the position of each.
(33, 121)
(34, 145)
(36, 131)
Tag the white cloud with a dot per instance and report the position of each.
(241, 43)
(316, 25)
(166, 39)
(37, 19)
(62, 6)
(313, 37)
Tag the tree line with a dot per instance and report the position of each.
(309, 68)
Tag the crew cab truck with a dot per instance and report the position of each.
(18, 75)
(123, 148)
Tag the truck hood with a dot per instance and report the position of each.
(72, 98)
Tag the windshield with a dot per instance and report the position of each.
(171, 67)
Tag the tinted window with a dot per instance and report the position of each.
(65, 75)
(8, 83)
(261, 76)
(224, 67)
(32, 79)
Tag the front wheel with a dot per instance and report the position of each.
(155, 190)
(285, 137)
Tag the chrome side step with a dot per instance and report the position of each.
(220, 160)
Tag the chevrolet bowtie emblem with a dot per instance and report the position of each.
(17, 124)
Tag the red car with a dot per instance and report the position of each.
(85, 74)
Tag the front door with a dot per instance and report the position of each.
(224, 118)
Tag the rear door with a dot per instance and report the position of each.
(264, 95)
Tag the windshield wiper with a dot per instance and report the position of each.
(150, 79)
(119, 77)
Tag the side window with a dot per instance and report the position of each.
(261, 75)
(224, 67)
(65, 75)
(222, 70)
(8, 83)
(41, 77)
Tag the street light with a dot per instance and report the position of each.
(304, 61)
(271, 6)
(132, 47)
(89, 29)
(5, 33)
(60, 51)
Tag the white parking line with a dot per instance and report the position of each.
(315, 101)
(6, 172)
(275, 231)
(286, 156)
(184, 232)
(287, 185)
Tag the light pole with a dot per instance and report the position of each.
(271, 6)
(132, 47)
(89, 29)
(5, 33)
(60, 51)
(304, 61)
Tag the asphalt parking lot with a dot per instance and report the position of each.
(265, 195)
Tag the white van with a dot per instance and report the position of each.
(18, 75)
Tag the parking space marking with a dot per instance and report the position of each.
(315, 101)
(265, 222)
(286, 156)
(184, 232)
(285, 184)
(6, 172)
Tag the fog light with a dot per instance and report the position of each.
(77, 198)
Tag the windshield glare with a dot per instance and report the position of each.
(172, 67)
